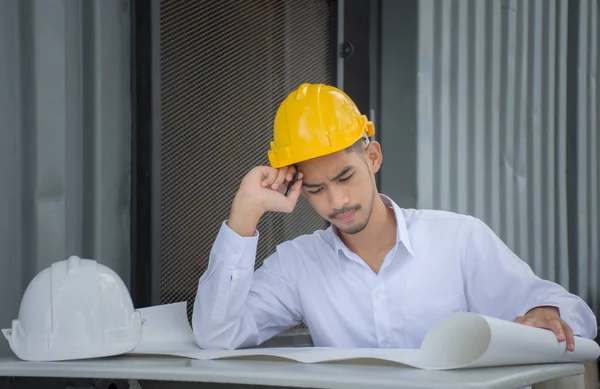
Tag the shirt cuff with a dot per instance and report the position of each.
(234, 250)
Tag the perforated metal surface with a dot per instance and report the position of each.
(225, 67)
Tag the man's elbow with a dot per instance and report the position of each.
(212, 344)
(217, 336)
(207, 341)
(208, 335)
(222, 334)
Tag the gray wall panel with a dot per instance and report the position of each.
(507, 125)
(106, 148)
(595, 109)
(64, 139)
(425, 116)
(11, 239)
(397, 94)
(587, 166)
(561, 253)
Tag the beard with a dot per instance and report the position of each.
(355, 229)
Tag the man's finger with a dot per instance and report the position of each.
(520, 319)
(281, 175)
(269, 177)
(569, 335)
(294, 193)
(557, 327)
(290, 173)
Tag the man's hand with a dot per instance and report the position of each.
(263, 190)
(549, 318)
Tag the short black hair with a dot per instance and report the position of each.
(358, 146)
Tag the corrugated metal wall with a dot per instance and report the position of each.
(508, 127)
(64, 139)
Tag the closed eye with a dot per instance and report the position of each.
(339, 179)
(347, 178)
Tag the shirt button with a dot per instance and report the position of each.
(377, 294)
(385, 342)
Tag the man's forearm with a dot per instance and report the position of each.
(219, 320)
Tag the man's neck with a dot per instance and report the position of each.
(379, 236)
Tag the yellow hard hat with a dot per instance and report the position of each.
(315, 120)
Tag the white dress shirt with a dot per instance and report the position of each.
(442, 263)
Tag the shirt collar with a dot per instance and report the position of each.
(402, 236)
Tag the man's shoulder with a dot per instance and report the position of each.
(424, 213)
(433, 215)
(438, 221)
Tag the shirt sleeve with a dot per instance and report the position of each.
(500, 284)
(235, 305)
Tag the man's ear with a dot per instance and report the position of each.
(374, 155)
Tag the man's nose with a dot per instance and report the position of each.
(338, 198)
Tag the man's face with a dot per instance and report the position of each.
(341, 186)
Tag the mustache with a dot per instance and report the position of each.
(343, 210)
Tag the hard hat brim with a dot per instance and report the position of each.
(282, 157)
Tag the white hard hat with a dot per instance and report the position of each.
(75, 309)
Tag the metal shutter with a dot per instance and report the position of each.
(225, 67)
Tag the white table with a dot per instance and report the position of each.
(288, 374)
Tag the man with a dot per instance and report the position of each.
(380, 276)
